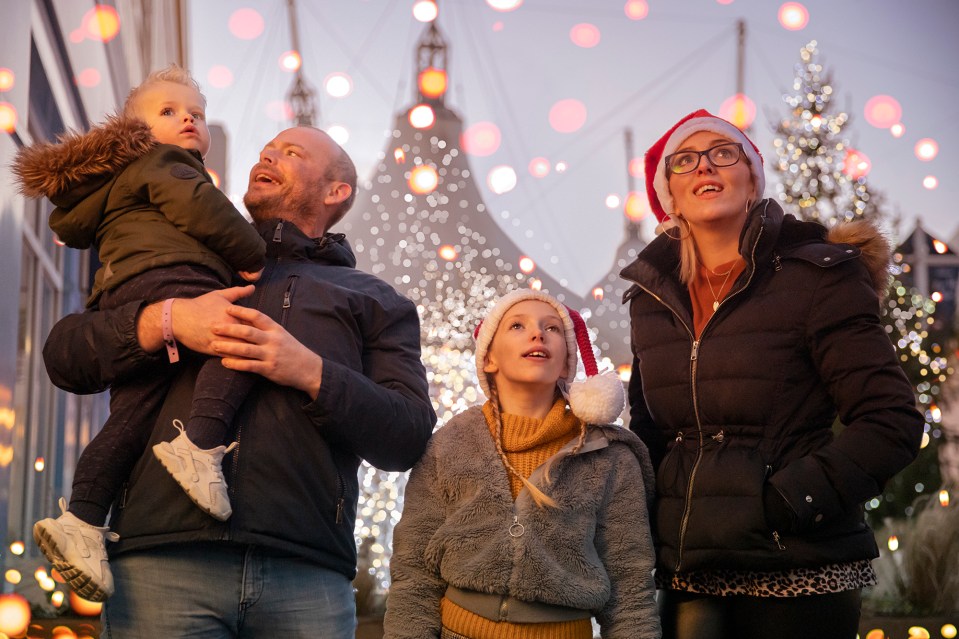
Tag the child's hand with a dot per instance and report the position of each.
(251, 276)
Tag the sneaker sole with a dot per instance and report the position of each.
(172, 469)
(80, 582)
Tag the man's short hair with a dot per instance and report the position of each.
(342, 169)
(173, 73)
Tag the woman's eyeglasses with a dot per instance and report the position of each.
(720, 155)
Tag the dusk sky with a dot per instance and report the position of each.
(511, 68)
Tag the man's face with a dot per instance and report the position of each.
(289, 178)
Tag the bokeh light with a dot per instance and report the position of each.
(425, 10)
(480, 139)
(291, 61)
(738, 109)
(101, 23)
(448, 253)
(57, 598)
(636, 167)
(584, 35)
(497, 26)
(948, 631)
(214, 176)
(399, 155)
(14, 615)
(504, 5)
(17, 548)
(635, 207)
(927, 149)
(246, 24)
(422, 116)
(856, 164)
(432, 82)
(83, 607)
(636, 9)
(526, 264)
(13, 576)
(930, 182)
(88, 78)
(918, 632)
(219, 76)
(897, 129)
(62, 632)
(338, 84)
(535, 283)
(501, 179)
(793, 16)
(39, 464)
(8, 117)
(625, 372)
(279, 111)
(423, 179)
(893, 543)
(598, 293)
(539, 167)
(560, 167)
(567, 116)
(7, 79)
(339, 133)
(882, 111)
(613, 201)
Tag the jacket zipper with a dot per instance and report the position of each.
(340, 499)
(288, 299)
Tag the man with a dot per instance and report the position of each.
(343, 381)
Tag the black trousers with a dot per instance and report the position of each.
(694, 616)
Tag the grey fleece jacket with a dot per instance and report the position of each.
(594, 552)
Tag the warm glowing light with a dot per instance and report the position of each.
(539, 167)
(214, 176)
(635, 167)
(448, 253)
(39, 464)
(876, 633)
(62, 632)
(101, 23)
(8, 117)
(14, 615)
(893, 543)
(480, 139)
(84, 607)
(219, 76)
(40, 574)
(625, 372)
(567, 116)
(882, 111)
(339, 133)
(940, 247)
(291, 61)
(504, 5)
(13, 576)
(948, 631)
(936, 297)
(17, 548)
(918, 632)
(930, 182)
(943, 498)
(636, 9)
(793, 16)
(561, 167)
(856, 164)
(527, 265)
(423, 179)
(738, 109)
(535, 284)
(425, 10)
(88, 78)
(279, 110)
(598, 293)
(927, 149)
(57, 598)
(338, 84)
(57, 577)
(399, 155)
(422, 116)
(815, 121)
(897, 129)
(432, 82)
(612, 201)
(246, 24)
(47, 584)
(501, 179)
(584, 35)
(635, 207)
(7, 79)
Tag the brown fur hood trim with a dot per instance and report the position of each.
(875, 247)
(46, 169)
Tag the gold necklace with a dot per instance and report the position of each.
(710, 284)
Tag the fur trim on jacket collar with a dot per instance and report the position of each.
(875, 248)
(47, 169)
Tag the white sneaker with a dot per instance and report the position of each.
(199, 472)
(78, 551)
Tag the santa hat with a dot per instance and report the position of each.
(599, 399)
(657, 183)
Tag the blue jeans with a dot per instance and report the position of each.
(217, 590)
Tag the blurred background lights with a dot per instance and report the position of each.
(882, 111)
(584, 35)
(930, 182)
(245, 24)
(432, 82)
(636, 9)
(339, 133)
(940, 247)
(625, 372)
(535, 283)
(598, 293)
(526, 264)
(926, 149)
(636, 167)
(501, 179)
(101, 23)
(635, 208)
(17, 548)
(567, 116)
(291, 61)
(738, 109)
(793, 16)
(425, 10)
(943, 498)
(448, 253)
(936, 297)
(82, 607)
(539, 167)
(88, 78)
(13, 576)
(893, 543)
(14, 615)
(613, 201)
(561, 166)
(39, 464)
(219, 76)
(7, 78)
(399, 155)
(8, 117)
(856, 164)
(422, 116)
(214, 176)
(338, 85)
(504, 5)
(480, 139)
(918, 632)
(897, 129)
(949, 631)
(57, 598)
(423, 179)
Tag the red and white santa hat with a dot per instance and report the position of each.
(657, 183)
(598, 399)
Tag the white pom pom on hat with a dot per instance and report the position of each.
(599, 399)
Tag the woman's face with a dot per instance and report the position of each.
(710, 195)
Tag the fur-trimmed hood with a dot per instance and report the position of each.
(876, 251)
(53, 169)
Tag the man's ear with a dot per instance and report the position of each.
(337, 192)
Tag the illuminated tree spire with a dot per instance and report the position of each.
(302, 97)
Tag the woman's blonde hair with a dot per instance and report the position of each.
(173, 73)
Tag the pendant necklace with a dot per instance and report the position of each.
(710, 284)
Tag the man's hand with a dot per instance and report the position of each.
(192, 320)
(257, 344)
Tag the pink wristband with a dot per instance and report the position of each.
(166, 322)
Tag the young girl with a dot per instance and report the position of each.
(527, 517)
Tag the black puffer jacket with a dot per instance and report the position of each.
(292, 478)
(750, 406)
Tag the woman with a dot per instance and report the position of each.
(751, 333)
